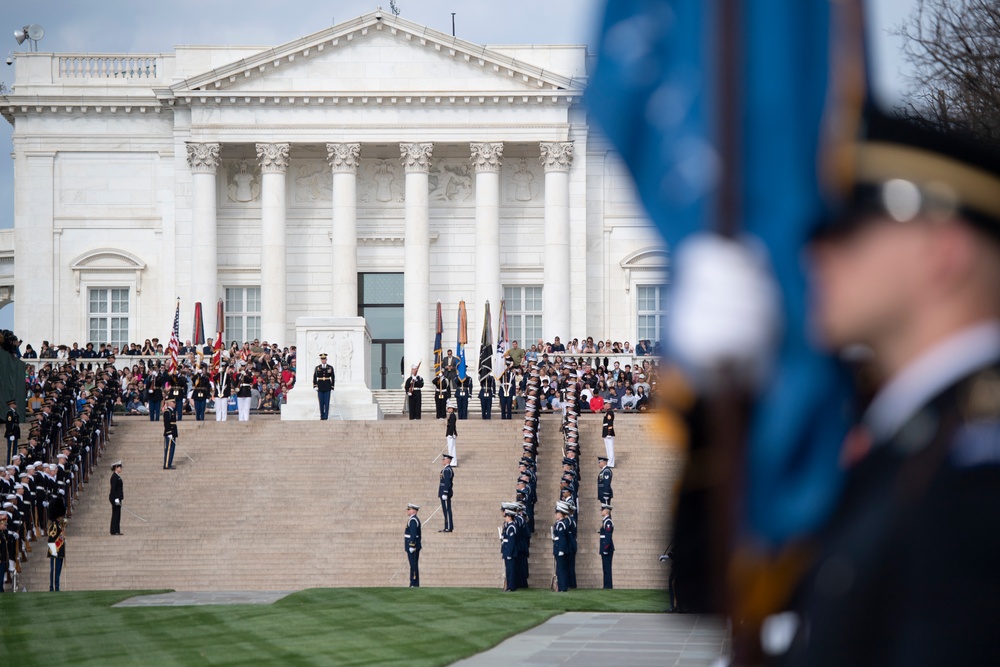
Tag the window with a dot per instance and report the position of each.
(652, 312)
(108, 315)
(242, 314)
(524, 314)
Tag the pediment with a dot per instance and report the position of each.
(377, 53)
(105, 259)
(646, 258)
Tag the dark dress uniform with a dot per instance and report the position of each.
(487, 390)
(607, 549)
(560, 549)
(116, 497)
(508, 551)
(463, 390)
(507, 390)
(411, 543)
(12, 432)
(442, 392)
(445, 493)
(178, 393)
(200, 392)
(323, 381)
(908, 571)
(604, 491)
(413, 385)
(169, 438)
(57, 552)
(155, 393)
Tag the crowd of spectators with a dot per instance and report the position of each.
(273, 370)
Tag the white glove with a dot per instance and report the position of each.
(10, 566)
(561, 553)
(412, 550)
(725, 310)
(118, 502)
(444, 497)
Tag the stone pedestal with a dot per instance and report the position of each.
(347, 343)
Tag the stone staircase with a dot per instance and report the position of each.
(272, 505)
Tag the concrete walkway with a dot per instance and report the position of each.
(598, 640)
(193, 598)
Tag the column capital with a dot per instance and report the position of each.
(273, 158)
(557, 155)
(203, 158)
(416, 157)
(487, 156)
(344, 158)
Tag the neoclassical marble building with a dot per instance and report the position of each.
(372, 168)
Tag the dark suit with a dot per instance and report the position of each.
(116, 497)
(323, 382)
(411, 543)
(412, 387)
(907, 573)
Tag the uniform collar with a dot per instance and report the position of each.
(932, 372)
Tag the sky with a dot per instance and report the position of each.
(120, 26)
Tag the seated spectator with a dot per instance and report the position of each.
(640, 383)
(268, 404)
(642, 400)
(626, 348)
(614, 398)
(629, 399)
(136, 407)
(29, 352)
(557, 346)
(532, 354)
(597, 403)
(642, 348)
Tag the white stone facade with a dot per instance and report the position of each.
(376, 145)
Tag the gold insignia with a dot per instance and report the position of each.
(983, 398)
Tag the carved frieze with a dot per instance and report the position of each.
(522, 181)
(312, 182)
(451, 181)
(242, 182)
(380, 183)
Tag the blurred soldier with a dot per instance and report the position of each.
(169, 434)
(57, 551)
(412, 386)
(154, 389)
(445, 492)
(222, 389)
(560, 547)
(608, 433)
(244, 393)
(508, 547)
(487, 390)
(323, 381)
(604, 491)
(411, 543)
(12, 429)
(607, 543)
(116, 497)
(178, 393)
(7, 553)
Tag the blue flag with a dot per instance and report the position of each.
(463, 338)
(653, 92)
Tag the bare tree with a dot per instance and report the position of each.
(954, 47)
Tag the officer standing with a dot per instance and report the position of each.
(169, 434)
(508, 549)
(12, 429)
(604, 491)
(244, 393)
(154, 389)
(446, 492)
(412, 386)
(507, 389)
(608, 433)
(560, 547)
(463, 390)
(487, 390)
(442, 392)
(222, 389)
(411, 543)
(57, 551)
(178, 393)
(323, 381)
(116, 497)
(201, 389)
(451, 433)
(607, 544)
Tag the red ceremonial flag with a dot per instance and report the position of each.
(174, 339)
(217, 348)
(198, 337)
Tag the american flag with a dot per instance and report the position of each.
(174, 339)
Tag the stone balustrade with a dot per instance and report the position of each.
(108, 67)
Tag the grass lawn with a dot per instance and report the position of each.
(329, 626)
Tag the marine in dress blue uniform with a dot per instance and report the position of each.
(412, 386)
(12, 429)
(169, 434)
(412, 545)
(463, 390)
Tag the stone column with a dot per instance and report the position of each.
(204, 162)
(344, 160)
(486, 158)
(273, 160)
(416, 159)
(556, 158)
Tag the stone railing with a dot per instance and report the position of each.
(108, 67)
